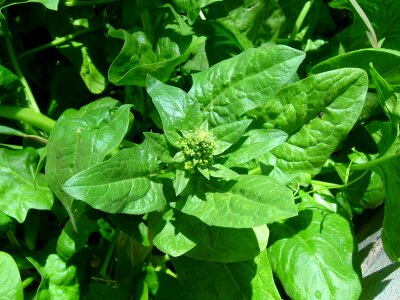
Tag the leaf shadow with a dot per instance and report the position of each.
(290, 227)
(375, 283)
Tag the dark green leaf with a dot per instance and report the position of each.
(121, 184)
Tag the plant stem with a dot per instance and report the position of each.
(373, 163)
(28, 92)
(57, 42)
(27, 281)
(27, 115)
(371, 32)
(107, 259)
(300, 19)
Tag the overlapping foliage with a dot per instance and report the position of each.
(202, 149)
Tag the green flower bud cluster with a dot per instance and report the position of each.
(198, 147)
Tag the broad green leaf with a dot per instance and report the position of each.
(248, 201)
(258, 142)
(81, 139)
(313, 255)
(229, 89)
(317, 113)
(171, 233)
(10, 280)
(20, 189)
(122, 184)
(137, 58)
(250, 279)
(227, 245)
(385, 61)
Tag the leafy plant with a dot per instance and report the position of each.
(195, 155)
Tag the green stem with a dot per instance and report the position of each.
(107, 259)
(57, 42)
(83, 3)
(300, 19)
(27, 115)
(371, 32)
(13, 239)
(28, 92)
(27, 282)
(372, 163)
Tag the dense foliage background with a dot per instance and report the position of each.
(203, 149)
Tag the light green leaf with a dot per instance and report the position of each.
(230, 88)
(21, 190)
(81, 139)
(62, 280)
(251, 201)
(313, 255)
(317, 113)
(250, 279)
(137, 58)
(10, 279)
(258, 142)
(220, 171)
(121, 184)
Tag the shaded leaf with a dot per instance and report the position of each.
(250, 279)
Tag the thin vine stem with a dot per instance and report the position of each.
(57, 42)
(14, 61)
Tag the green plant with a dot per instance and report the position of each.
(194, 154)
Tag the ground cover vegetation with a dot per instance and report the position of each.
(195, 149)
